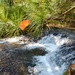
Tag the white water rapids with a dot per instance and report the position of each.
(51, 63)
(57, 58)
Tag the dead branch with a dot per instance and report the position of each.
(59, 17)
(72, 8)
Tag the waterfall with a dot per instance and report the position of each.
(59, 54)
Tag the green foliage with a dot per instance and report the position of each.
(36, 11)
(12, 12)
(10, 18)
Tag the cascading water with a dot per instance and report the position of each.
(57, 58)
(49, 56)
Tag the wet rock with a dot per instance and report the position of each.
(70, 70)
(14, 60)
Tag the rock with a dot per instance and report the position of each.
(71, 70)
(14, 60)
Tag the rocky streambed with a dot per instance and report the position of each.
(51, 55)
(13, 59)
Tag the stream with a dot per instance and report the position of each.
(50, 55)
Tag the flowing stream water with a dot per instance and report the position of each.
(60, 53)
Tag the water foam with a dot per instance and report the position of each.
(46, 65)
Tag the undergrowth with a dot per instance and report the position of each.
(39, 12)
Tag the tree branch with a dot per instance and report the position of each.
(72, 8)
